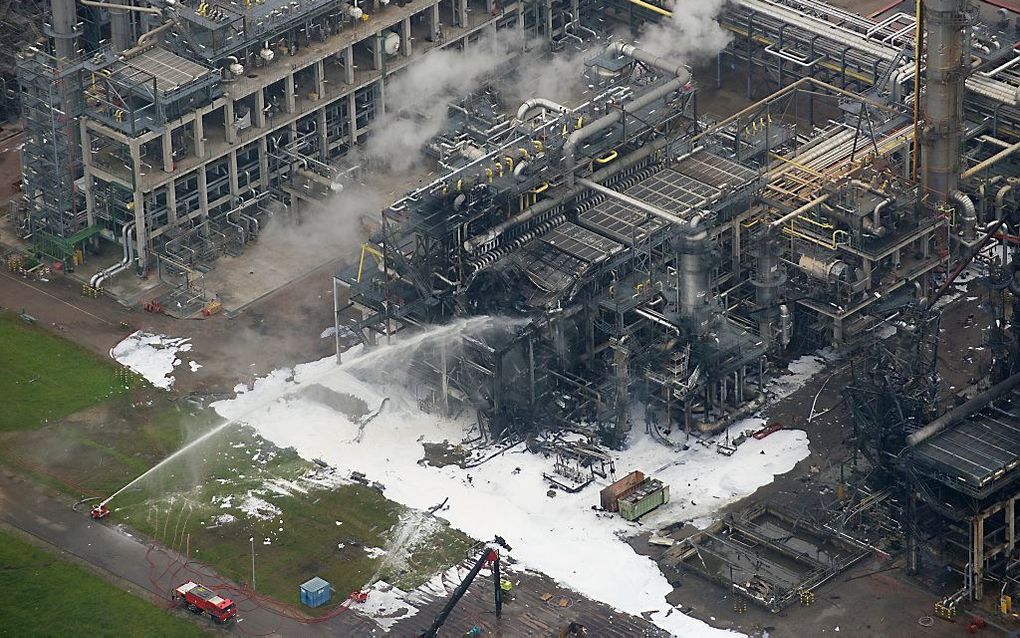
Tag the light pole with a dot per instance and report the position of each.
(252, 540)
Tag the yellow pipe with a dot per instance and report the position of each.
(918, 43)
(580, 122)
(540, 189)
(538, 146)
(813, 222)
(460, 182)
(524, 154)
(509, 162)
(608, 158)
(652, 8)
(488, 173)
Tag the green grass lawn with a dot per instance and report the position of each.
(71, 422)
(44, 377)
(46, 596)
(101, 449)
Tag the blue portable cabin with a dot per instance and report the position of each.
(316, 592)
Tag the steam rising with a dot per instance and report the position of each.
(417, 110)
(418, 100)
(692, 34)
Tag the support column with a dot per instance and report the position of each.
(433, 22)
(1010, 526)
(377, 51)
(444, 383)
(352, 113)
(462, 13)
(203, 193)
(289, 91)
(86, 160)
(405, 37)
(977, 533)
(168, 151)
(141, 234)
(199, 129)
(232, 173)
(349, 64)
(320, 80)
(260, 108)
(138, 206)
(264, 163)
(171, 202)
(548, 20)
(323, 134)
(228, 121)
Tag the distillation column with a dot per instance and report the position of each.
(121, 32)
(946, 22)
(64, 22)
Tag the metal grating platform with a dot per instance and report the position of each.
(169, 70)
(675, 192)
(582, 243)
(692, 185)
(976, 454)
(719, 172)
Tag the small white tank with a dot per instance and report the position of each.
(391, 43)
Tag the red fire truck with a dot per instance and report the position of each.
(201, 599)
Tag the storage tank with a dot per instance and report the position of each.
(390, 43)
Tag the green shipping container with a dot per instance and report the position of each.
(636, 508)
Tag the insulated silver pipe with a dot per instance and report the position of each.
(475, 243)
(64, 20)
(963, 411)
(654, 211)
(607, 121)
(682, 76)
(539, 103)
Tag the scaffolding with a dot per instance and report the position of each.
(51, 101)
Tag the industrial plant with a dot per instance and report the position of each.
(634, 220)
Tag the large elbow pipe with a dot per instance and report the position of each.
(968, 214)
(681, 76)
(1000, 200)
(607, 121)
(663, 64)
(97, 279)
(536, 103)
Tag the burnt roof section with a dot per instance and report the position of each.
(979, 454)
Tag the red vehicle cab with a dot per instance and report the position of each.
(201, 599)
(99, 511)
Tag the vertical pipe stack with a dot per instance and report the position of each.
(121, 34)
(946, 23)
(64, 21)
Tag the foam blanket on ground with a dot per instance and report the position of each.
(151, 355)
(562, 536)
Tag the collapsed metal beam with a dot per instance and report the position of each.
(961, 412)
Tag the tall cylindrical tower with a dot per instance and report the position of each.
(945, 33)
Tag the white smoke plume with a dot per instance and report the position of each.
(417, 110)
(692, 35)
(554, 76)
(418, 100)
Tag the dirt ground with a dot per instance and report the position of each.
(281, 330)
